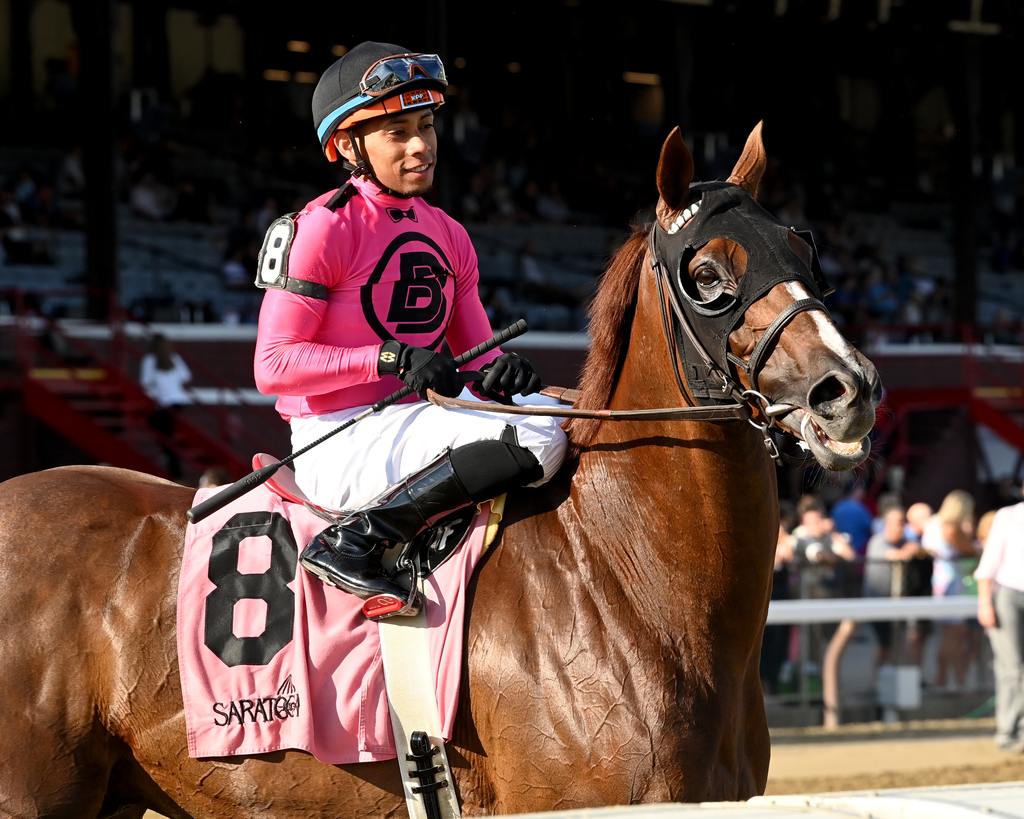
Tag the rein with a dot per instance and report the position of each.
(745, 404)
(744, 401)
(727, 412)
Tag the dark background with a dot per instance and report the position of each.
(864, 102)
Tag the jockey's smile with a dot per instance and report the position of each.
(402, 149)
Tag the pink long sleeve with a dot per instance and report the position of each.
(288, 363)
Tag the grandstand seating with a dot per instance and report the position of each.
(181, 262)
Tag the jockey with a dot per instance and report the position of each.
(363, 287)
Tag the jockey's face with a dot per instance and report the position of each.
(402, 148)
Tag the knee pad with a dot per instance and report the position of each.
(488, 468)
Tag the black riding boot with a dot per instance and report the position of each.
(348, 554)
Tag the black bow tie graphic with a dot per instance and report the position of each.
(397, 214)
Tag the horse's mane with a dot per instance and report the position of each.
(611, 316)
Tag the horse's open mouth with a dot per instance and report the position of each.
(830, 453)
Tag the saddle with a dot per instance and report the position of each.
(421, 557)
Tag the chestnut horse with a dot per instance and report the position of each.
(614, 633)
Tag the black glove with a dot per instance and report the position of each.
(509, 375)
(420, 368)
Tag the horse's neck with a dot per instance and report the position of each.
(684, 513)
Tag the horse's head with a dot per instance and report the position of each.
(743, 294)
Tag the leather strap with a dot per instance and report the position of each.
(675, 350)
(412, 704)
(567, 395)
(725, 412)
(764, 344)
(729, 387)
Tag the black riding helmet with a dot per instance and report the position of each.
(373, 80)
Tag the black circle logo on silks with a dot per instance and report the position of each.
(410, 290)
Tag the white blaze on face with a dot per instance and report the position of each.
(827, 331)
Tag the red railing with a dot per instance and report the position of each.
(47, 356)
(219, 417)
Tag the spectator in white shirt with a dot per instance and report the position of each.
(1000, 577)
(163, 377)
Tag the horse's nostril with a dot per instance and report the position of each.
(828, 389)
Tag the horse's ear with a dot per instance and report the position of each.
(675, 172)
(750, 167)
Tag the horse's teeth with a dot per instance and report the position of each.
(686, 215)
(695, 207)
(673, 229)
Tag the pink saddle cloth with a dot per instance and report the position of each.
(271, 658)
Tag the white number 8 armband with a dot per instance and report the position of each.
(272, 264)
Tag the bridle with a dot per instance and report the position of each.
(697, 331)
(707, 381)
(728, 388)
(729, 385)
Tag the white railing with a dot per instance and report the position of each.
(848, 612)
(870, 609)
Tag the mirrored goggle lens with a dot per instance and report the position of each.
(395, 71)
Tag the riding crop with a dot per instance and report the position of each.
(260, 476)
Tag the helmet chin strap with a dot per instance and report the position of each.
(362, 167)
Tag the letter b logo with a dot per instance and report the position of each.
(418, 301)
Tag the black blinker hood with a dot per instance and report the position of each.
(729, 211)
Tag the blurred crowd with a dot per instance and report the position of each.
(895, 549)
(499, 168)
(880, 292)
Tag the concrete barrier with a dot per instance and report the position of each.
(953, 802)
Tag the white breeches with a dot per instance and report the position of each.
(352, 468)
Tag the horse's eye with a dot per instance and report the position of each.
(706, 277)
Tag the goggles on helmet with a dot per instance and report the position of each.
(387, 74)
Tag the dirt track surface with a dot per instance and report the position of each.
(874, 756)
